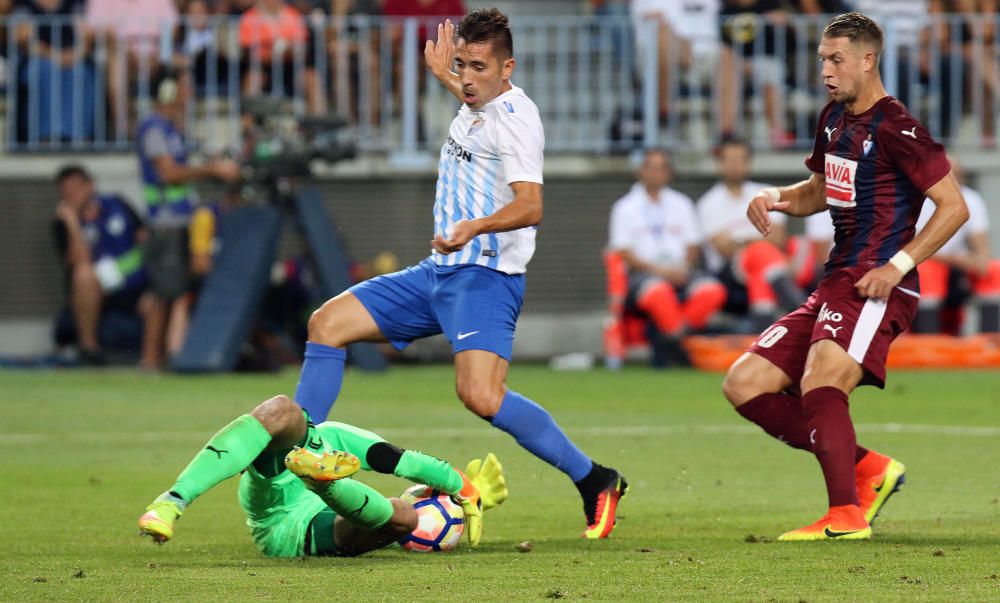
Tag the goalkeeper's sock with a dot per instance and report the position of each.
(535, 430)
(425, 469)
(320, 379)
(229, 451)
(355, 502)
(415, 466)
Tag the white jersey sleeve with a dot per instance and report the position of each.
(520, 139)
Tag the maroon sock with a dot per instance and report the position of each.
(780, 415)
(833, 442)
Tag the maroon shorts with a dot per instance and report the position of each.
(863, 327)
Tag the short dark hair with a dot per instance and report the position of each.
(856, 28)
(732, 140)
(488, 25)
(69, 171)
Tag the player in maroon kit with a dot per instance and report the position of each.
(873, 163)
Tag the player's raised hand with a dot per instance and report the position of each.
(461, 233)
(878, 283)
(440, 54)
(761, 205)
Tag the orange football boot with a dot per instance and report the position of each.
(878, 477)
(844, 522)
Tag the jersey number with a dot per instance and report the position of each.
(772, 336)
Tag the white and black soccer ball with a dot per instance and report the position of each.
(440, 520)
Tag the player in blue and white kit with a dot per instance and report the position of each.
(486, 212)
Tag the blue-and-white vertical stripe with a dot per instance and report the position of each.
(489, 186)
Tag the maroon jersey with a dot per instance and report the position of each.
(877, 164)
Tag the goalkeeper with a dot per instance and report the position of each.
(294, 490)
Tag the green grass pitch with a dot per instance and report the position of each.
(82, 453)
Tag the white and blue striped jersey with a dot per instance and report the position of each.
(485, 152)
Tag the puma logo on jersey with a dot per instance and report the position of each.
(217, 451)
(829, 133)
(912, 132)
(832, 329)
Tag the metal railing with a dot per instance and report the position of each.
(599, 90)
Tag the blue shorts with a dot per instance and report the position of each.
(475, 307)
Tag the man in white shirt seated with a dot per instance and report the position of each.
(686, 36)
(655, 230)
(808, 252)
(745, 261)
(965, 256)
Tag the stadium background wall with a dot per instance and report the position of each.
(373, 215)
(565, 302)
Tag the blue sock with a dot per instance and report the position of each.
(536, 431)
(320, 379)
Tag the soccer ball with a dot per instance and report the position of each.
(440, 520)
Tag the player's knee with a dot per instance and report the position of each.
(279, 415)
(323, 325)
(739, 385)
(480, 397)
(843, 376)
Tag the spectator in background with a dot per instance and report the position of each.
(621, 41)
(432, 117)
(753, 32)
(57, 75)
(233, 7)
(963, 265)
(132, 32)
(915, 66)
(98, 238)
(686, 37)
(753, 269)
(654, 230)
(202, 46)
(354, 59)
(982, 65)
(203, 242)
(428, 9)
(273, 36)
(171, 198)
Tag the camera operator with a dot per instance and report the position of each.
(171, 199)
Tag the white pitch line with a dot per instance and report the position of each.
(460, 433)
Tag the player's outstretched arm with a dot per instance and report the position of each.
(803, 198)
(439, 56)
(525, 210)
(949, 215)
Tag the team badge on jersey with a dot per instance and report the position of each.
(476, 124)
(867, 145)
(840, 174)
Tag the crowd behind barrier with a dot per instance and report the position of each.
(625, 76)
